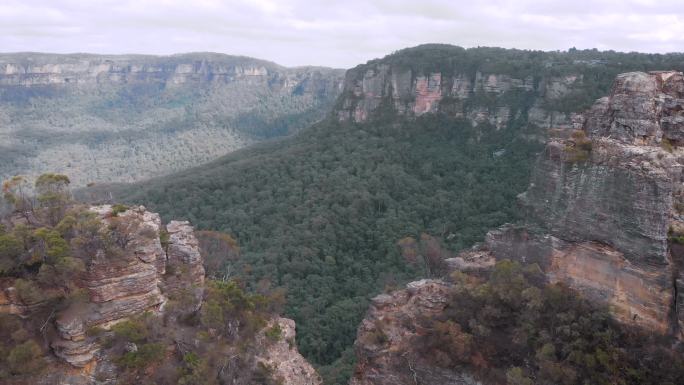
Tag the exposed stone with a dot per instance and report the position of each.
(601, 222)
(471, 261)
(9, 301)
(394, 359)
(643, 108)
(413, 93)
(282, 356)
(125, 285)
(186, 272)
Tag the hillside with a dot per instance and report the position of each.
(127, 118)
(427, 146)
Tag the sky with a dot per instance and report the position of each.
(335, 33)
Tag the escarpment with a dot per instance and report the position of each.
(541, 94)
(609, 198)
(603, 216)
(603, 208)
(478, 97)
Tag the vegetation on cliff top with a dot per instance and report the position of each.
(512, 327)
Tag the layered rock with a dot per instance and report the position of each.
(385, 346)
(602, 206)
(185, 272)
(282, 356)
(154, 265)
(127, 284)
(480, 96)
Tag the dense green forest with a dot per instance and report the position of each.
(320, 213)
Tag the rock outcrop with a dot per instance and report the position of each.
(119, 286)
(160, 264)
(603, 207)
(385, 346)
(282, 357)
(603, 216)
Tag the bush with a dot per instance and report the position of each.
(133, 330)
(578, 147)
(274, 333)
(118, 209)
(514, 324)
(25, 358)
(29, 293)
(144, 357)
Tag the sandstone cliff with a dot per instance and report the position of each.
(154, 266)
(603, 208)
(125, 118)
(412, 94)
(603, 216)
(539, 93)
(385, 340)
(611, 208)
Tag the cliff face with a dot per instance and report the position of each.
(129, 285)
(159, 265)
(101, 118)
(385, 346)
(539, 93)
(603, 216)
(478, 96)
(603, 207)
(615, 202)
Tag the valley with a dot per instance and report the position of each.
(104, 118)
(440, 215)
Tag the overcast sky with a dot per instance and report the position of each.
(335, 33)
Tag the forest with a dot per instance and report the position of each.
(321, 213)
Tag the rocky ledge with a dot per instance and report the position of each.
(385, 339)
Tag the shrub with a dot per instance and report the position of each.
(29, 293)
(274, 333)
(118, 209)
(143, 358)
(578, 147)
(24, 358)
(133, 330)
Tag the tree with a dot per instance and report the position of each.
(10, 249)
(25, 358)
(16, 192)
(53, 195)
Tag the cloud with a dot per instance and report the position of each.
(335, 33)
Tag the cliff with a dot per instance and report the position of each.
(104, 118)
(615, 202)
(539, 93)
(385, 346)
(152, 285)
(603, 217)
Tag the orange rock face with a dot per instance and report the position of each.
(603, 273)
(428, 92)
